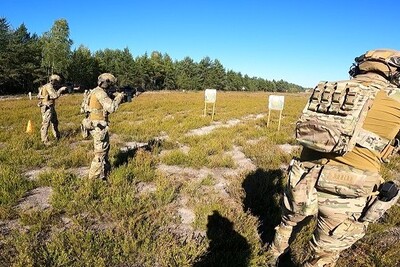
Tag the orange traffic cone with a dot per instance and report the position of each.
(29, 128)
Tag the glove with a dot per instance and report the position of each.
(119, 97)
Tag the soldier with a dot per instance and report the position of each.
(98, 105)
(47, 95)
(347, 129)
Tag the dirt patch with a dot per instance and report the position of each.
(184, 149)
(184, 172)
(6, 227)
(254, 141)
(80, 171)
(287, 148)
(64, 224)
(220, 186)
(4, 98)
(232, 123)
(214, 125)
(254, 117)
(242, 162)
(144, 188)
(220, 175)
(33, 175)
(206, 129)
(187, 215)
(36, 199)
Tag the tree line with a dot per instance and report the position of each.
(27, 60)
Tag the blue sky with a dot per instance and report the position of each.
(301, 42)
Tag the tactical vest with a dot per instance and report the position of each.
(332, 120)
(95, 108)
(85, 102)
(44, 95)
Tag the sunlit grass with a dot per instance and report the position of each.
(133, 218)
(12, 187)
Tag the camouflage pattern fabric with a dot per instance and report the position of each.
(99, 108)
(309, 192)
(347, 127)
(106, 77)
(47, 96)
(299, 201)
(378, 208)
(100, 167)
(348, 182)
(49, 117)
(100, 104)
(332, 119)
(337, 227)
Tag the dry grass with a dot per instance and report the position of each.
(202, 208)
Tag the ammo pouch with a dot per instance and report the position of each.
(86, 127)
(300, 195)
(347, 181)
(333, 118)
(378, 208)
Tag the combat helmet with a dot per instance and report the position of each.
(385, 62)
(54, 78)
(106, 80)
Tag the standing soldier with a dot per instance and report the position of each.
(347, 129)
(98, 105)
(47, 96)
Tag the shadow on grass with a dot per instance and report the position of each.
(126, 153)
(263, 191)
(227, 247)
(70, 133)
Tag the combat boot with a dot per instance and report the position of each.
(274, 253)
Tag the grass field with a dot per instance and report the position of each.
(183, 191)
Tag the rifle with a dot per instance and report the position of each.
(128, 91)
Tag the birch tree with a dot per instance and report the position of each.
(56, 48)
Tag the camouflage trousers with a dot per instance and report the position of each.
(100, 166)
(49, 117)
(338, 196)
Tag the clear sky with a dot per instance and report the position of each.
(299, 41)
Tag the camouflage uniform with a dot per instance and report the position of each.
(47, 95)
(100, 105)
(340, 189)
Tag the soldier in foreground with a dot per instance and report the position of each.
(47, 96)
(97, 105)
(347, 129)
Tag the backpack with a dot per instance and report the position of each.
(333, 117)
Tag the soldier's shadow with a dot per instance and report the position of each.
(264, 190)
(227, 247)
(263, 193)
(124, 154)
